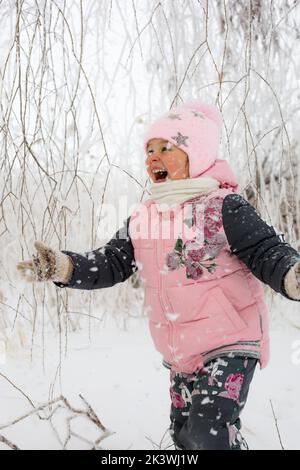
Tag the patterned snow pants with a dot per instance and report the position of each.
(206, 405)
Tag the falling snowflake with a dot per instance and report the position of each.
(213, 432)
(172, 316)
(206, 401)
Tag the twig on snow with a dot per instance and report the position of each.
(276, 424)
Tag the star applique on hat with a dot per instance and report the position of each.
(181, 139)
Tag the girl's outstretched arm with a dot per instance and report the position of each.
(265, 253)
(105, 266)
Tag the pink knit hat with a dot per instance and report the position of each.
(195, 128)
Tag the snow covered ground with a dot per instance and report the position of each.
(120, 374)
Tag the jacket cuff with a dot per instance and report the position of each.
(69, 273)
(291, 282)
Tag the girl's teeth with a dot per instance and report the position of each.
(160, 174)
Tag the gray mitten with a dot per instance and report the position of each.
(292, 282)
(46, 265)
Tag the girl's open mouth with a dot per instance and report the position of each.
(160, 175)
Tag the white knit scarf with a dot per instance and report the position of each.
(170, 193)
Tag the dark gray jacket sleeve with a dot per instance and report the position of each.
(105, 266)
(256, 243)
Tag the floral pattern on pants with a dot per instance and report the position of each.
(206, 406)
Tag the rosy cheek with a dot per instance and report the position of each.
(175, 165)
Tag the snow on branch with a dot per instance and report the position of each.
(80, 85)
(8, 443)
(51, 409)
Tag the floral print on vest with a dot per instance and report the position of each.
(197, 256)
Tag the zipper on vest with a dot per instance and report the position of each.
(261, 324)
(163, 302)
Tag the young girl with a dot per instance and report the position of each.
(201, 251)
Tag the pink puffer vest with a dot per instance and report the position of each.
(201, 300)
